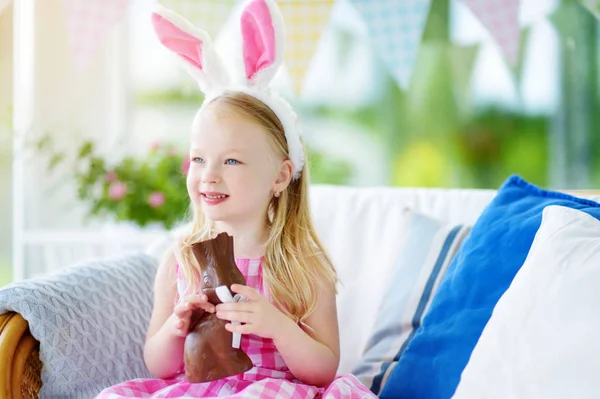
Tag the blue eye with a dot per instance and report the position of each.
(232, 162)
(197, 160)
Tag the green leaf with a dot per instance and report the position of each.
(44, 142)
(55, 160)
(86, 149)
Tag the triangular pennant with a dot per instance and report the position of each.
(3, 4)
(304, 23)
(208, 15)
(593, 6)
(88, 25)
(396, 28)
(501, 19)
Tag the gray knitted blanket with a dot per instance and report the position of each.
(91, 321)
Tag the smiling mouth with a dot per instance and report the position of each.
(220, 196)
(213, 199)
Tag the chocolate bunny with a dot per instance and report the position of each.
(210, 351)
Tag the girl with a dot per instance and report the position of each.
(248, 178)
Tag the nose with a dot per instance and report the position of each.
(211, 174)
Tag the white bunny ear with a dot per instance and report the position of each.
(193, 46)
(263, 38)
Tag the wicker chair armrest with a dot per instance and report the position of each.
(20, 367)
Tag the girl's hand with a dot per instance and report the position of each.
(183, 311)
(259, 316)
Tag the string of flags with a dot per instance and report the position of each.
(395, 27)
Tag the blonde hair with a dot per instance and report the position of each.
(295, 261)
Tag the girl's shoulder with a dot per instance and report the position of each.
(166, 272)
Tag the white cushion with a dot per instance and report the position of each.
(542, 339)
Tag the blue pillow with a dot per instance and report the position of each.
(432, 363)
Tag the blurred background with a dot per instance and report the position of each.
(95, 114)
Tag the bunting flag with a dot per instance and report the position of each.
(208, 15)
(501, 19)
(3, 4)
(593, 6)
(304, 23)
(88, 25)
(396, 28)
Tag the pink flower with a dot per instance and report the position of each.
(117, 190)
(155, 145)
(185, 166)
(156, 199)
(111, 176)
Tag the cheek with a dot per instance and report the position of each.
(254, 180)
(192, 184)
(259, 189)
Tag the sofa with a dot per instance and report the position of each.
(373, 235)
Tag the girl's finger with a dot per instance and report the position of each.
(242, 317)
(208, 307)
(196, 299)
(182, 308)
(179, 328)
(236, 306)
(190, 302)
(246, 291)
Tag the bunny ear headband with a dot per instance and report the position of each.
(262, 32)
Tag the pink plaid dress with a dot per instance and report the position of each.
(269, 378)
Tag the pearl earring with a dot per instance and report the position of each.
(276, 194)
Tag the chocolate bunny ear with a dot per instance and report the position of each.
(263, 38)
(193, 46)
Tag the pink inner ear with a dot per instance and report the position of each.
(258, 36)
(178, 41)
